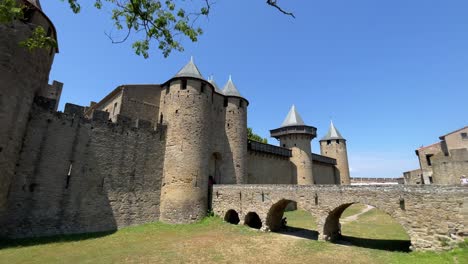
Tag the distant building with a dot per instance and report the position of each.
(413, 177)
(445, 162)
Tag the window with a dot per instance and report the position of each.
(241, 104)
(225, 102)
(464, 136)
(202, 89)
(183, 85)
(328, 142)
(28, 14)
(428, 159)
(115, 107)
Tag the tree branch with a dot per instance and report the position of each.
(275, 5)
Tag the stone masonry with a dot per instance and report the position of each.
(433, 216)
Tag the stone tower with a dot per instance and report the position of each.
(186, 113)
(23, 74)
(333, 145)
(295, 135)
(236, 130)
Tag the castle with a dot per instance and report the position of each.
(143, 153)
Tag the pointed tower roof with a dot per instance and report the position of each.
(190, 70)
(333, 133)
(215, 85)
(230, 89)
(293, 118)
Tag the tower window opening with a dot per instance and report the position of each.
(328, 142)
(402, 204)
(241, 104)
(464, 136)
(428, 159)
(337, 141)
(183, 85)
(225, 102)
(161, 118)
(202, 88)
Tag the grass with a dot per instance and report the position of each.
(213, 241)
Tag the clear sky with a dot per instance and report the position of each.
(393, 75)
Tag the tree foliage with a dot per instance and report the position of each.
(252, 136)
(165, 23)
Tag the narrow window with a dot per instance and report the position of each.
(49, 31)
(183, 85)
(241, 104)
(428, 159)
(225, 102)
(430, 180)
(328, 142)
(202, 88)
(67, 184)
(316, 199)
(115, 107)
(337, 141)
(161, 118)
(402, 203)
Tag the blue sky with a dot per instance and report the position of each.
(393, 75)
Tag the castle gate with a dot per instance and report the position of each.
(433, 216)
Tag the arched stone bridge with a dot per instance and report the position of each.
(435, 217)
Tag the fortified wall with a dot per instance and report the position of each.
(76, 175)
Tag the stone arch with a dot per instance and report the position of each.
(332, 226)
(232, 217)
(275, 214)
(253, 220)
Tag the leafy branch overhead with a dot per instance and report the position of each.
(165, 22)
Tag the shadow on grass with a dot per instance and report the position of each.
(299, 232)
(382, 244)
(26, 242)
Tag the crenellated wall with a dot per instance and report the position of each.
(75, 175)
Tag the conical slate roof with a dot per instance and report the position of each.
(215, 85)
(333, 133)
(293, 118)
(230, 89)
(190, 70)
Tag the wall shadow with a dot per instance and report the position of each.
(27, 242)
(299, 232)
(382, 244)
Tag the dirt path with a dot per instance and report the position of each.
(352, 218)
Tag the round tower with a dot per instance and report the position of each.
(185, 110)
(236, 131)
(333, 145)
(295, 135)
(23, 74)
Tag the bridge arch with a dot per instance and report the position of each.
(332, 227)
(252, 220)
(275, 214)
(232, 217)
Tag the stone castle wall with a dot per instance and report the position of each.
(264, 168)
(23, 74)
(75, 175)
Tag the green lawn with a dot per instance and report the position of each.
(353, 209)
(211, 241)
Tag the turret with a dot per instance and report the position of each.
(185, 109)
(296, 135)
(236, 130)
(23, 74)
(333, 145)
